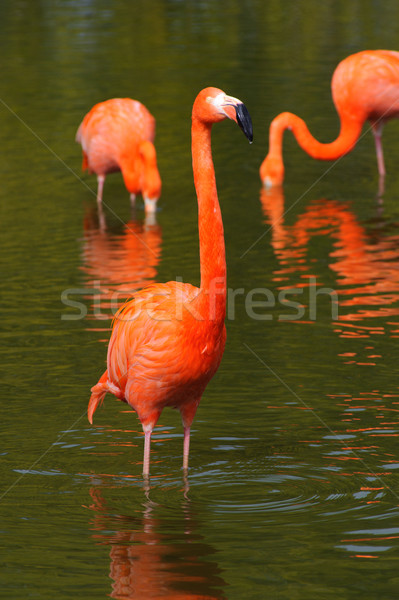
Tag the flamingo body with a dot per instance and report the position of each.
(161, 353)
(168, 340)
(118, 135)
(365, 87)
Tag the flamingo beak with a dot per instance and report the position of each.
(244, 121)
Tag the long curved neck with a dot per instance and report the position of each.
(210, 225)
(348, 136)
(130, 172)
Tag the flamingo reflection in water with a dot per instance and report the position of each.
(366, 262)
(147, 562)
(118, 264)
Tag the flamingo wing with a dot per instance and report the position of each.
(160, 352)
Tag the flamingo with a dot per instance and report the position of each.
(365, 86)
(118, 135)
(168, 340)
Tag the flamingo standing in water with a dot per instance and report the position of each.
(365, 86)
(168, 340)
(118, 135)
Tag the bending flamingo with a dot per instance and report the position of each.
(118, 135)
(167, 341)
(365, 86)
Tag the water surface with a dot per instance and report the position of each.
(292, 489)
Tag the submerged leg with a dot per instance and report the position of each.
(186, 447)
(100, 181)
(377, 131)
(101, 217)
(146, 461)
(150, 205)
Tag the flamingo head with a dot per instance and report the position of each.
(151, 180)
(213, 105)
(272, 171)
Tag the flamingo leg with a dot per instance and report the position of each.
(133, 200)
(377, 131)
(150, 205)
(146, 461)
(100, 181)
(186, 447)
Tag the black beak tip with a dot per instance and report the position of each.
(244, 121)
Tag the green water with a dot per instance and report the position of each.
(292, 491)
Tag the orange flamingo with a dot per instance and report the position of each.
(365, 86)
(168, 340)
(118, 135)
